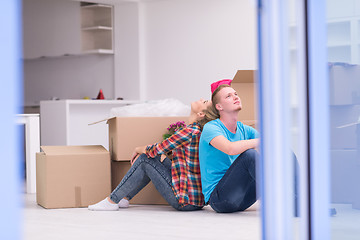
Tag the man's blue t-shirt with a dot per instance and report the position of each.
(213, 162)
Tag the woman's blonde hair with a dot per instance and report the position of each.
(211, 113)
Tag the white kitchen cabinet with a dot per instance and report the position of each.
(51, 28)
(66, 122)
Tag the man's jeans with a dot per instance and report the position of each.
(141, 173)
(236, 191)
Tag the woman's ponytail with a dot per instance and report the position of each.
(211, 113)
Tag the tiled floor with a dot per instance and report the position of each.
(345, 225)
(162, 222)
(137, 222)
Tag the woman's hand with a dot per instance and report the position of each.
(162, 157)
(137, 152)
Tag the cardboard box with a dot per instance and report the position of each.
(343, 135)
(356, 199)
(127, 133)
(344, 84)
(343, 175)
(251, 123)
(245, 85)
(148, 195)
(72, 176)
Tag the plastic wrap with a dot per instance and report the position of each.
(164, 107)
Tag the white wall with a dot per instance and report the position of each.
(127, 51)
(188, 44)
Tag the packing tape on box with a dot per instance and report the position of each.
(77, 196)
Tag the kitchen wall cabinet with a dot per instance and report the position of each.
(62, 28)
(50, 28)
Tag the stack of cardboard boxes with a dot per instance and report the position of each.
(127, 133)
(345, 133)
(77, 176)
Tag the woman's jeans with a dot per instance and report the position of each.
(141, 173)
(236, 191)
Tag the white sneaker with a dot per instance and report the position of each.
(104, 205)
(124, 203)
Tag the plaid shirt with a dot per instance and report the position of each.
(185, 167)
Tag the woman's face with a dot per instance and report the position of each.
(228, 100)
(200, 105)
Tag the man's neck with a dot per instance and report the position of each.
(230, 121)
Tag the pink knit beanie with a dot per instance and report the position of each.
(220, 82)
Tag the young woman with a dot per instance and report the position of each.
(227, 155)
(178, 180)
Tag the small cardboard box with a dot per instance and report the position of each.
(127, 133)
(148, 195)
(72, 176)
(244, 84)
(344, 133)
(344, 84)
(356, 198)
(343, 174)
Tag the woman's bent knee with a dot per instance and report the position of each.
(141, 159)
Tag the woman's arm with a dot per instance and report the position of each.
(233, 148)
(177, 140)
(140, 150)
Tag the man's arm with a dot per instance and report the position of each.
(233, 148)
